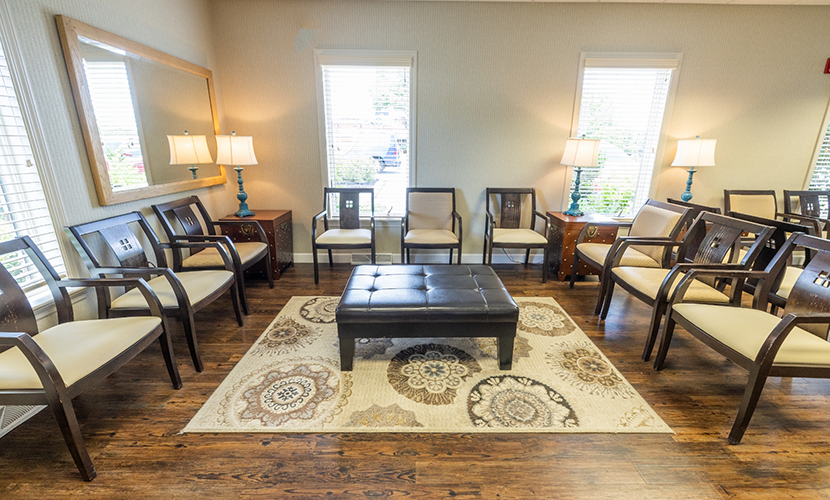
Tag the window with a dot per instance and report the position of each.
(367, 102)
(623, 103)
(821, 171)
(23, 208)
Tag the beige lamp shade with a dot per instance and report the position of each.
(695, 153)
(235, 150)
(188, 149)
(581, 153)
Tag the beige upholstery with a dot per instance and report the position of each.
(648, 281)
(757, 205)
(430, 211)
(197, 284)
(77, 349)
(653, 222)
(522, 236)
(430, 237)
(345, 237)
(597, 252)
(210, 257)
(791, 275)
(745, 331)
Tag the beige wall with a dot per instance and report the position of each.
(496, 86)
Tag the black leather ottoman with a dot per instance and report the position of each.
(426, 301)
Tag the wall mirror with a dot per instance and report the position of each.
(129, 98)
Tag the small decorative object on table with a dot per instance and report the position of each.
(189, 150)
(278, 230)
(579, 153)
(693, 153)
(237, 150)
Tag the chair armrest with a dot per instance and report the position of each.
(314, 221)
(40, 361)
(546, 220)
(175, 283)
(584, 231)
(814, 222)
(262, 236)
(457, 216)
(231, 248)
(623, 242)
(767, 353)
(231, 263)
(148, 293)
(714, 271)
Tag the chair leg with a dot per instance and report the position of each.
(189, 325)
(489, 254)
(166, 344)
(573, 270)
(403, 257)
(68, 423)
(545, 265)
(331, 260)
(237, 309)
(459, 255)
(665, 343)
(607, 301)
(240, 285)
(754, 386)
(451, 255)
(316, 269)
(408, 256)
(269, 270)
(527, 257)
(484, 252)
(373, 254)
(656, 317)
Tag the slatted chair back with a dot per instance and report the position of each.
(757, 202)
(810, 203)
(510, 216)
(124, 243)
(694, 210)
(430, 208)
(348, 208)
(722, 240)
(183, 211)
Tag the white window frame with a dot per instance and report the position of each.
(633, 60)
(356, 57)
(825, 123)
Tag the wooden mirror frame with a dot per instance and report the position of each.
(70, 30)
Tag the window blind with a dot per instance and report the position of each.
(622, 106)
(367, 128)
(821, 173)
(23, 208)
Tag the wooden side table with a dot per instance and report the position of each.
(278, 230)
(564, 232)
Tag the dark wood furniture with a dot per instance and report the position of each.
(763, 203)
(760, 342)
(814, 204)
(56, 365)
(349, 234)
(508, 232)
(564, 232)
(181, 294)
(243, 254)
(279, 233)
(412, 301)
(430, 221)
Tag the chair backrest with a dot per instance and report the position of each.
(510, 215)
(757, 202)
(16, 312)
(183, 212)
(723, 239)
(118, 236)
(694, 211)
(657, 219)
(349, 204)
(807, 203)
(430, 208)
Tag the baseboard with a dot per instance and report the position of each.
(345, 257)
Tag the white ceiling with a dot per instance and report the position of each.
(721, 2)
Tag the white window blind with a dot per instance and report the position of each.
(821, 173)
(367, 102)
(623, 103)
(23, 209)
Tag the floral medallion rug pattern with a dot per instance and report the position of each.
(290, 381)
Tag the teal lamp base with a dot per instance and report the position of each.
(687, 194)
(242, 196)
(193, 169)
(574, 210)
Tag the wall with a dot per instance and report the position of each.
(496, 87)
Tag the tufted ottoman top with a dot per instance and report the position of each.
(413, 293)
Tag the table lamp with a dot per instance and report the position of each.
(579, 153)
(693, 153)
(237, 150)
(189, 150)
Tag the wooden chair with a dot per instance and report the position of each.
(694, 211)
(243, 254)
(653, 285)
(760, 342)
(809, 204)
(181, 294)
(430, 221)
(761, 203)
(53, 366)
(349, 235)
(508, 232)
(654, 220)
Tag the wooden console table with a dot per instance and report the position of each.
(564, 232)
(278, 230)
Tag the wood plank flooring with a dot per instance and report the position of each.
(131, 423)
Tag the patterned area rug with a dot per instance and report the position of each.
(290, 381)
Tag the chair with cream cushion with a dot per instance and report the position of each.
(349, 234)
(508, 232)
(763, 203)
(813, 204)
(244, 254)
(654, 220)
(53, 366)
(430, 221)
(654, 285)
(181, 294)
(761, 342)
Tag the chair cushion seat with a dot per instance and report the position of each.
(791, 275)
(745, 331)
(648, 281)
(596, 252)
(430, 237)
(345, 237)
(518, 236)
(197, 284)
(77, 349)
(209, 257)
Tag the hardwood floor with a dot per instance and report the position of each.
(131, 423)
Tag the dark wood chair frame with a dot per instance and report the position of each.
(456, 222)
(810, 206)
(183, 212)
(132, 261)
(20, 330)
(510, 218)
(605, 267)
(807, 307)
(349, 218)
(727, 205)
(694, 211)
(722, 240)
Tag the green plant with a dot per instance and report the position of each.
(350, 171)
(123, 174)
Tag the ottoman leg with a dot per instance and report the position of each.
(505, 350)
(346, 350)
